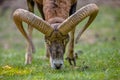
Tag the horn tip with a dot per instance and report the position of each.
(95, 6)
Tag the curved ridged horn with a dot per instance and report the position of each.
(21, 15)
(71, 22)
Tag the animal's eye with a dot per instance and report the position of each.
(48, 42)
(66, 41)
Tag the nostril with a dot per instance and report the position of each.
(61, 64)
(58, 66)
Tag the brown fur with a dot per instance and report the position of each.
(56, 8)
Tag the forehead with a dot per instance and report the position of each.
(56, 37)
(56, 46)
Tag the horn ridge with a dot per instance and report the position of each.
(71, 22)
(21, 15)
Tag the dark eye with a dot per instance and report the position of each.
(66, 41)
(48, 42)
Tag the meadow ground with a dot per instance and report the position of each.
(98, 52)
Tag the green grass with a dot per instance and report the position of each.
(99, 60)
